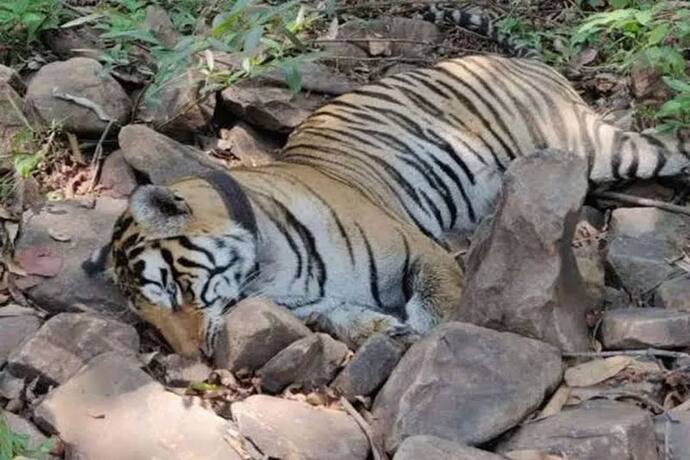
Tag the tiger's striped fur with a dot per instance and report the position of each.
(351, 224)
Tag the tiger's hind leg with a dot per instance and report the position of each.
(435, 283)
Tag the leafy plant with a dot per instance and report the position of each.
(17, 445)
(21, 21)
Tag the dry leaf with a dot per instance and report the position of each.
(39, 260)
(596, 371)
(586, 56)
(27, 282)
(556, 403)
(532, 455)
(16, 310)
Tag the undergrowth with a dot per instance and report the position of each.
(656, 33)
(14, 445)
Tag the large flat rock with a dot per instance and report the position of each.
(112, 410)
(466, 384)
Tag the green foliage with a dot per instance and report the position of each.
(21, 21)
(17, 445)
(266, 38)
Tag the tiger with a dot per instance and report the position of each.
(351, 227)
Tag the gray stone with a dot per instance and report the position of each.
(82, 78)
(410, 38)
(595, 430)
(160, 158)
(673, 294)
(83, 41)
(294, 430)
(13, 330)
(614, 298)
(309, 363)
(112, 410)
(433, 448)
(117, 177)
(9, 76)
(677, 432)
(178, 110)
(248, 145)
(11, 387)
(87, 229)
(316, 77)
(11, 120)
(466, 384)
(255, 330)
(161, 26)
(269, 107)
(521, 275)
(20, 426)
(181, 371)
(66, 342)
(630, 328)
(641, 240)
(369, 367)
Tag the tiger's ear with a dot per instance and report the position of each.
(99, 262)
(158, 211)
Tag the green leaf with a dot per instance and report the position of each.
(657, 34)
(82, 20)
(253, 39)
(677, 85)
(618, 4)
(293, 77)
(25, 164)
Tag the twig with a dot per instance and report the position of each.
(364, 426)
(374, 5)
(97, 154)
(648, 202)
(74, 147)
(651, 352)
(20, 114)
(84, 102)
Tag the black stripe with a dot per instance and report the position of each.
(373, 273)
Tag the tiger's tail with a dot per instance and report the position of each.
(482, 25)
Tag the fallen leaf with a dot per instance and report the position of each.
(595, 371)
(586, 56)
(27, 282)
(16, 310)
(39, 260)
(556, 403)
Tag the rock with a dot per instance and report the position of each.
(66, 342)
(631, 328)
(294, 430)
(86, 229)
(414, 38)
(595, 430)
(433, 448)
(640, 242)
(613, 298)
(248, 145)
(13, 330)
(113, 410)
(11, 387)
(178, 110)
(673, 294)
(678, 439)
(521, 275)
(9, 76)
(181, 371)
(160, 158)
(255, 330)
(159, 24)
(646, 82)
(269, 107)
(316, 77)
(11, 121)
(83, 41)
(369, 368)
(20, 426)
(466, 384)
(117, 176)
(82, 78)
(590, 260)
(309, 363)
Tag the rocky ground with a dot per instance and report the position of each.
(572, 342)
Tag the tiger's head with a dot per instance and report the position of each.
(182, 255)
